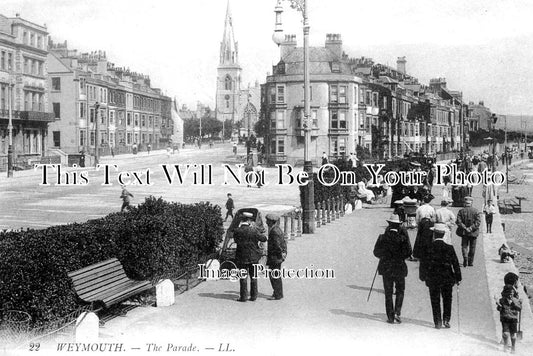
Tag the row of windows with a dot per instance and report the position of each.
(33, 66)
(32, 39)
(6, 60)
(33, 101)
(113, 138)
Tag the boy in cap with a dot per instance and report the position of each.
(247, 237)
(229, 206)
(509, 307)
(489, 209)
(442, 272)
(393, 248)
(276, 253)
(126, 199)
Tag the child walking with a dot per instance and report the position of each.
(490, 210)
(509, 307)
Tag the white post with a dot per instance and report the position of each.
(164, 292)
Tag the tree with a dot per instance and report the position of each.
(261, 127)
(191, 128)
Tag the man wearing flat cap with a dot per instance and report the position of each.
(393, 248)
(468, 221)
(277, 252)
(442, 272)
(247, 237)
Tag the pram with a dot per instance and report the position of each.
(410, 207)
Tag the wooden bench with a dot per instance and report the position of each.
(106, 282)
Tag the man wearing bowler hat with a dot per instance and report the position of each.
(276, 253)
(247, 237)
(468, 221)
(393, 248)
(442, 272)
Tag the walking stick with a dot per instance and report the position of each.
(519, 334)
(458, 314)
(372, 286)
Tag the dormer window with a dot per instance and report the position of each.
(280, 68)
(335, 67)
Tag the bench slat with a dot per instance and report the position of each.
(126, 294)
(98, 288)
(81, 284)
(103, 293)
(92, 267)
(106, 281)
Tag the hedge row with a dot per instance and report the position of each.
(153, 241)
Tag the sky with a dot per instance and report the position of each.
(483, 48)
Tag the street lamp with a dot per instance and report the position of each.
(10, 130)
(96, 133)
(308, 196)
(494, 119)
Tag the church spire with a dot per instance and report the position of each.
(229, 53)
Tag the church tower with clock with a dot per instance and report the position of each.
(228, 75)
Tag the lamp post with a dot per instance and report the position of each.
(96, 133)
(308, 196)
(10, 131)
(494, 119)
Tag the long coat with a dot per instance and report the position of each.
(468, 221)
(392, 248)
(277, 247)
(442, 265)
(247, 238)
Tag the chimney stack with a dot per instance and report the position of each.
(334, 44)
(401, 65)
(287, 46)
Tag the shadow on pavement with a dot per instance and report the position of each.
(366, 289)
(485, 340)
(228, 295)
(380, 317)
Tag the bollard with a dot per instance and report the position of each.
(328, 210)
(293, 226)
(87, 327)
(319, 215)
(164, 292)
(286, 227)
(338, 200)
(333, 209)
(342, 206)
(299, 227)
(324, 219)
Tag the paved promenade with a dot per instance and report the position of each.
(321, 316)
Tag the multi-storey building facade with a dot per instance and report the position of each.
(92, 95)
(334, 99)
(23, 89)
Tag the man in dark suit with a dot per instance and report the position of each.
(468, 221)
(392, 248)
(443, 272)
(247, 237)
(277, 252)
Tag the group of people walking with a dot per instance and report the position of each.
(439, 266)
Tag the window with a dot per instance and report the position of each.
(367, 98)
(375, 99)
(91, 115)
(10, 61)
(39, 42)
(27, 66)
(103, 116)
(128, 119)
(128, 138)
(82, 110)
(338, 146)
(57, 110)
(338, 119)
(417, 132)
(136, 120)
(227, 103)
(111, 117)
(314, 119)
(280, 119)
(333, 94)
(227, 83)
(57, 138)
(272, 94)
(273, 146)
(82, 138)
(121, 118)
(280, 94)
(32, 39)
(56, 83)
(3, 61)
(281, 146)
(342, 94)
(92, 138)
(25, 37)
(143, 120)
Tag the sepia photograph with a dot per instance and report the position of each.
(266, 177)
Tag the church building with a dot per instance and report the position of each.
(234, 101)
